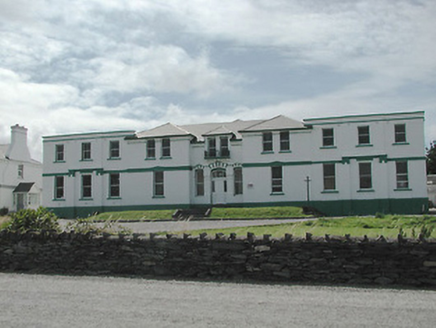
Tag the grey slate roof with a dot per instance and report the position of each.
(24, 187)
(276, 123)
(199, 131)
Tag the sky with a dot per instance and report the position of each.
(105, 65)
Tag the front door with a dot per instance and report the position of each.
(219, 186)
(20, 201)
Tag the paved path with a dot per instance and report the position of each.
(64, 301)
(177, 226)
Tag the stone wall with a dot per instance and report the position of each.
(324, 260)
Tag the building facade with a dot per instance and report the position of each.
(20, 175)
(340, 166)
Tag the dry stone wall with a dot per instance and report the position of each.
(325, 260)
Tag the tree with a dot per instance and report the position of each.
(431, 159)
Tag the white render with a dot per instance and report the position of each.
(20, 175)
(388, 189)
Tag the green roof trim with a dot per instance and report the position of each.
(365, 115)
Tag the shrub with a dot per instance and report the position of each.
(33, 220)
(4, 211)
(84, 226)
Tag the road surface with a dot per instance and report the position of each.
(64, 301)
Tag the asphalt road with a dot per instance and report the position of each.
(64, 301)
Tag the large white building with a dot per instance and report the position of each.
(20, 175)
(339, 165)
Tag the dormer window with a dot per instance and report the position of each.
(285, 144)
(215, 150)
(224, 147)
(151, 148)
(267, 142)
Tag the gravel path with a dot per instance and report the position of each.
(177, 226)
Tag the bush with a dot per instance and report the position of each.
(4, 211)
(84, 226)
(33, 220)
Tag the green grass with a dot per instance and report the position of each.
(217, 213)
(134, 215)
(389, 226)
(256, 212)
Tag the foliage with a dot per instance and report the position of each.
(4, 211)
(431, 159)
(84, 226)
(389, 226)
(134, 215)
(32, 220)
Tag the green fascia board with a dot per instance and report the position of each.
(343, 160)
(368, 121)
(368, 115)
(90, 135)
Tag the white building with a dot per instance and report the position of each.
(20, 176)
(341, 165)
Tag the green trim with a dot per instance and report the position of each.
(109, 198)
(86, 199)
(114, 159)
(86, 160)
(91, 135)
(55, 174)
(158, 196)
(328, 147)
(364, 145)
(403, 189)
(150, 159)
(366, 116)
(366, 190)
(285, 151)
(277, 194)
(420, 158)
(400, 144)
(330, 192)
(59, 162)
(267, 152)
(166, 157)
(58, 200)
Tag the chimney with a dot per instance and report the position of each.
(18, 148)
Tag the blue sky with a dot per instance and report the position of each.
(102, 65)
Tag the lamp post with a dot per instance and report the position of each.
(308, 189)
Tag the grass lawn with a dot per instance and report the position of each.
(389, 226)
(217, 213)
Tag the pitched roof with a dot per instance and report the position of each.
(199, 131)
(276, 123)
(166, 130)
(24, 187)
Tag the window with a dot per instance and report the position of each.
(284, 141)
(365, 176)
(114, 185)
(20, 171)
(86, 186)
(402, 175)
(237, 175)
(151, 148)
(329, 176)
(276, 179)
(400, 133)
(199, 182)
(328, 137)
(166, 147)
(158, 184)
(224, 147)
(267, 141)
(363, 135)
(114, 149)
(86, 151)
(211, 147)
(59, 187)
(59, 153)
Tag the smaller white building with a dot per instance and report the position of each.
(20, 175)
